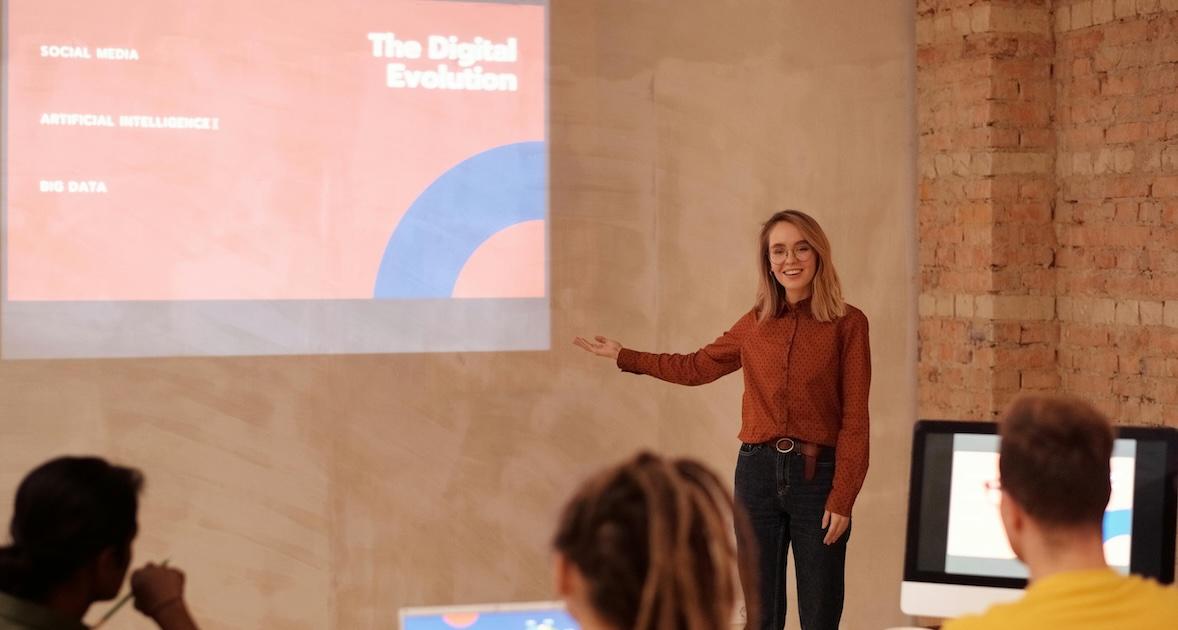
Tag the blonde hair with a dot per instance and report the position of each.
(653, 539)
(826, 299)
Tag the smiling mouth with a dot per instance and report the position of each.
(792, 274)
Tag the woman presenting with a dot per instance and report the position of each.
(804, 421)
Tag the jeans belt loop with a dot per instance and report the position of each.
(809, 452)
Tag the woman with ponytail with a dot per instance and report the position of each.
(72, 526)
(647, 545)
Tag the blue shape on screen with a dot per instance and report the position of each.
(531, 620)
(1117, 523)
(468, 204)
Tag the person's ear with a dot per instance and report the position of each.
(562, 575)
(109, 570)
(1014, 521)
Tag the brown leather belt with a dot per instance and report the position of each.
(810, 453)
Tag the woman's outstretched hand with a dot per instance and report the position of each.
(600, 346)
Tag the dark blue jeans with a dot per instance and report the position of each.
(785, 510)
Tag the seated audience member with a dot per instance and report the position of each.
(1054, 472)
(72, 526)
(646, 545)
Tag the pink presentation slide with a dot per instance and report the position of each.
(275, 150)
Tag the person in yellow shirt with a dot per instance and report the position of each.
(1054, 471)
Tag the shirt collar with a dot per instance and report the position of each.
(802, 306)
(34, 616)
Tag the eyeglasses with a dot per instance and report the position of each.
(802, 252)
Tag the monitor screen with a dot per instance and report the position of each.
(958, 560)
(516, 616)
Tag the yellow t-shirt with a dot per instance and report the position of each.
(1100, 599)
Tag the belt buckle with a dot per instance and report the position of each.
(777, 445)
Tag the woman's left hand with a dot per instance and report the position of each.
(835, 525)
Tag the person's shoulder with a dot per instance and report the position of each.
(998, 617)
(851, 311)
(853, 317)
(1165, 597)
(969, 622)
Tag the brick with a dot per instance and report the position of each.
(1040, 379)
(1063, 19)
(1123, 159)
(1107, 58)
(1084, 334)
(1020, 163)
(1124, 8)
(1103, 162)
(1170, 313)
(1169, 158)
(1149, 213)
(963, 306)
(943, 27)
(1096, 360)
(1082, 14)
(1160, 78)
(1043, 189)
(927, 305)
(1039, 332)
(1127, 132)
(1064, 309)
(1126, 212)
(1131, 33)
(979, 18)
(1024, 307)
(984, 306)
(1034, 138)
(1151, 313)
(1148, 6)
(1127, 186)
(1121, 84)
(1036, 114)
(1018, 19)
(1102, 11)
(960, 21)
(925, 31)
(1084, 137)
(944, 306)
(1127, 313)
(1081, 42)
(1164, 187)
(1099, 311)
(1091, 384)
(1029, 356)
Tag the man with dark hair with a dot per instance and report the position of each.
(1054, 470)
(72, 526)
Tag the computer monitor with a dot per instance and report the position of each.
(520, 616)
(514, 616)
(957, 559)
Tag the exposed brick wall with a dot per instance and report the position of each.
(985, 103)
(1048, 217)
(1116, 212)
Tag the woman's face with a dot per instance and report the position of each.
(792, 260)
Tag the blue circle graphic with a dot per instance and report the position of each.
(468, 204)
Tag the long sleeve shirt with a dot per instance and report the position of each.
(803, 379)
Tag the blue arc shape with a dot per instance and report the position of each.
(469, 203)
(1117, 523)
